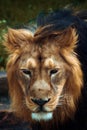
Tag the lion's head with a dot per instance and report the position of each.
(44, 74)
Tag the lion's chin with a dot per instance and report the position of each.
(42, 116)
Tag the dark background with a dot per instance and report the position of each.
(21, 11)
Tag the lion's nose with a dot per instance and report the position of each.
(40, 102)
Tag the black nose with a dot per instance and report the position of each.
(40, 102)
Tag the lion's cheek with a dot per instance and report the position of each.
(30, 105)
(52, 105)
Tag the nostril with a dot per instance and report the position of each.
(40, 102)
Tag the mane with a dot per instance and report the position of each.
(64, 29)
(61, 20)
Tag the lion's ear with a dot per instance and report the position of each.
(17, 38)
(67, 38)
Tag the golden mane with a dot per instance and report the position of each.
(60, 45)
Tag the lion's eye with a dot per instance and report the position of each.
(27, 72)
(53, 71)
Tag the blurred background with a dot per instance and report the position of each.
(19, 12)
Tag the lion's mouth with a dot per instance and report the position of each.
(41, 109)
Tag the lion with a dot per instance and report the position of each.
(46, 71)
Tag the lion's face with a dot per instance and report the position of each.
(43, 77)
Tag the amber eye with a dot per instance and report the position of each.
(53, 71)
(27, 72)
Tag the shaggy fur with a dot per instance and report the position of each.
(50, 64)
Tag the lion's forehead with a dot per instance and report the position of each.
(45, 56)
(36, 62)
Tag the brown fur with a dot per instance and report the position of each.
(58, 46)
